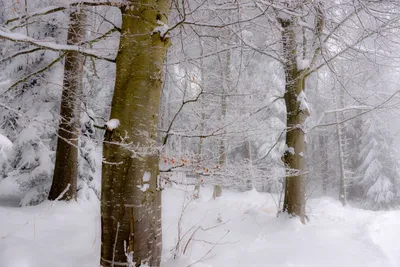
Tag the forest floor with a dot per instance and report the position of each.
(239, 229)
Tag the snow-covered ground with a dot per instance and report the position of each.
(239, 229)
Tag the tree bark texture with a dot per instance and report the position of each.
(131, 197)
(66, 165)
(294, 202)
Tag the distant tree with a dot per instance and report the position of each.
(66, 165)
(377, 174)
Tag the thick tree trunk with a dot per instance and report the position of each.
(66, 165)
(131, 198)
(294, 202)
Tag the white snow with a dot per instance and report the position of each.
(290, 150)
(303, 64)
(238, 229)
(112, 124)
(162, 28)
(146, 177)
(60, 234)
(334, 236)
(5, 143)
(143, 187)
(5, 148)
(303, 101)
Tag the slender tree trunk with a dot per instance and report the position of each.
(342, 188)
(66, 165)
(197, 187)
(247, 156)
(131, 197)
(222, 151)
(324, 158)
(341, 137)
(222, 146)
(294, 202)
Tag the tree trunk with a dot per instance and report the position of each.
(197, 187)
(341, 137)
(342, 188)
(66, 165)
(222, 146)
(324, 159)
(222, 153)
(294, 202)
(250, 183)
(131, 197)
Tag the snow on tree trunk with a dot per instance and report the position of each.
(131, 197)
(66, 166)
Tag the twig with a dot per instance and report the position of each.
(208, 252)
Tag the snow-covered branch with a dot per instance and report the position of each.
(54, 9)
(19, 37)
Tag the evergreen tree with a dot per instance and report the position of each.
(376, 174)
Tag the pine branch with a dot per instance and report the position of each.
(35, 73)
(28, 51)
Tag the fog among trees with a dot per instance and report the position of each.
(121, 103)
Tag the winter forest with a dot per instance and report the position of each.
(199, 133)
